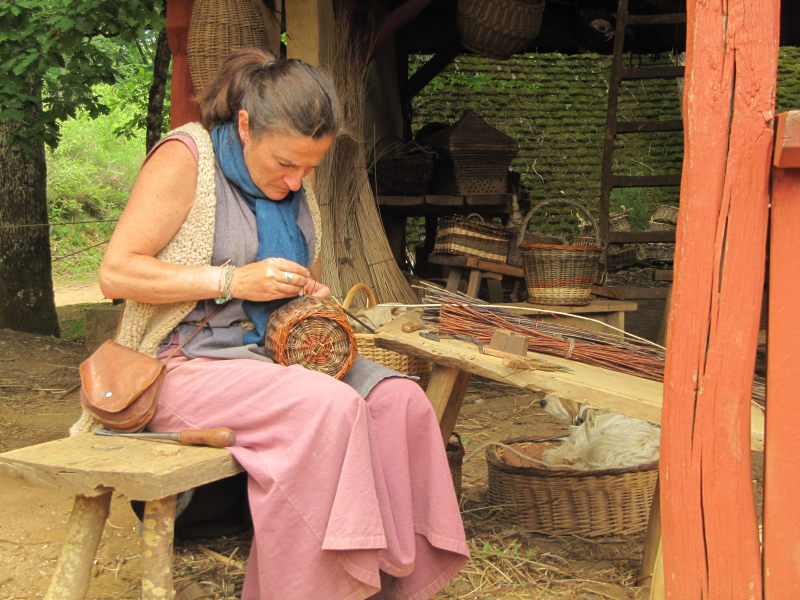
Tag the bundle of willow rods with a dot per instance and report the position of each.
(354, 244)
(458, 313)
(461, 314)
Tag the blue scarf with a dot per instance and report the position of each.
(276, 222)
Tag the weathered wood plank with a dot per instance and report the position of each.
(140, 469)
(781, 458)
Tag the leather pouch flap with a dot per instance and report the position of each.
(115, 375)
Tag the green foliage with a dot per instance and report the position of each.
(89, 176)
(49, 43)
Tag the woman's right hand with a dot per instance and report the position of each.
(269, 279)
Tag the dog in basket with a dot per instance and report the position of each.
(599, 439)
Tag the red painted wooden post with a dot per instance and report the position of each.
(183, 106)
(782, 452)
(710, 534)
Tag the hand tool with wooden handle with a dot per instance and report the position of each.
(218, 437)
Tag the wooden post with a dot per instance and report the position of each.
(710, 534)
(309, 30)
(157, 537)
(781, 456)
(84, 530)
(183, 106)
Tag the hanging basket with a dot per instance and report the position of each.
(561, 274)
(314, 333)
(498, 28)
(471, 236)
(216, 28)
(402, 363)
(563, 501)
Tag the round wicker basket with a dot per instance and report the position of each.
(217, 27)
(455, 459)
(402, 363)
(567, 501)
(314, 333)
(498, 28)
(561, 274)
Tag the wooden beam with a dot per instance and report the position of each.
(309, 30)
(710, 533)
(781, 491)
(425, 74)
(183, 107)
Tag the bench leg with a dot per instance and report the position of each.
(158, 530)
(84, 530)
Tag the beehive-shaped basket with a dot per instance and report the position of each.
(472, 157)
(314, 333)
(564, 501)
(561, 274)
(498, 28)
(216, 28)
(402, 363)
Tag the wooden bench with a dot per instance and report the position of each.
(93, 467)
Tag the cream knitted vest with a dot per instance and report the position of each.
(143, 326)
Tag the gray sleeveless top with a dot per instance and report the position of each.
(236, 239)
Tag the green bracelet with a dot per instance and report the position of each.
(225, 288)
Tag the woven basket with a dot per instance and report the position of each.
(217, 27)
(472, 157)
(402, 363)
(498, 28)
(314, 333)
(407, 171)
(568, 501)
(471, 236)
(561, 274)
(455, 458)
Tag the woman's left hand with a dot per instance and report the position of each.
(316, 289)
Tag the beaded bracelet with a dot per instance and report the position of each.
(226, 277)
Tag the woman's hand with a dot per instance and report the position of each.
(274, 278)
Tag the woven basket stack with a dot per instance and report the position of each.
(473, 157)
(471, 236)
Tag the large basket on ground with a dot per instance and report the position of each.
(216, 28)
(314, 333)
(402, 363)
(498, 28)
(471, 236)
(561, 274)
(567, 501)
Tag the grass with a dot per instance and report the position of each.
(72, 321)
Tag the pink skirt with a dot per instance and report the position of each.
(340, 488)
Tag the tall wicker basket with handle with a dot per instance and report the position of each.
(402, 363)
(561, 274)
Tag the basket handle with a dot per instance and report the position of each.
(524, 225)
(371, 298)
(480, 218)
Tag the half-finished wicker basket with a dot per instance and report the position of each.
(564, 501)
(314, 333)
(402, 363)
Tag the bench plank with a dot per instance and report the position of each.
(90, 465)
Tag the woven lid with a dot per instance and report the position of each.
(473, 133)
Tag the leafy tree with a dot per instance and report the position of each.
(48, 65)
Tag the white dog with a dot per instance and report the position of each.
(600, 439)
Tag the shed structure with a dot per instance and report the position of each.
(738, 205)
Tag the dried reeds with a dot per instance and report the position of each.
(354, 245)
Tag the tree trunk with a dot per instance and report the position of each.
(158, 90)
(26, 292)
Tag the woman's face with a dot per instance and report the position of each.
(278, 162)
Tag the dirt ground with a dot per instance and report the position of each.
(38, 377)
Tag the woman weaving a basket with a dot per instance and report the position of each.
(349, 486)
